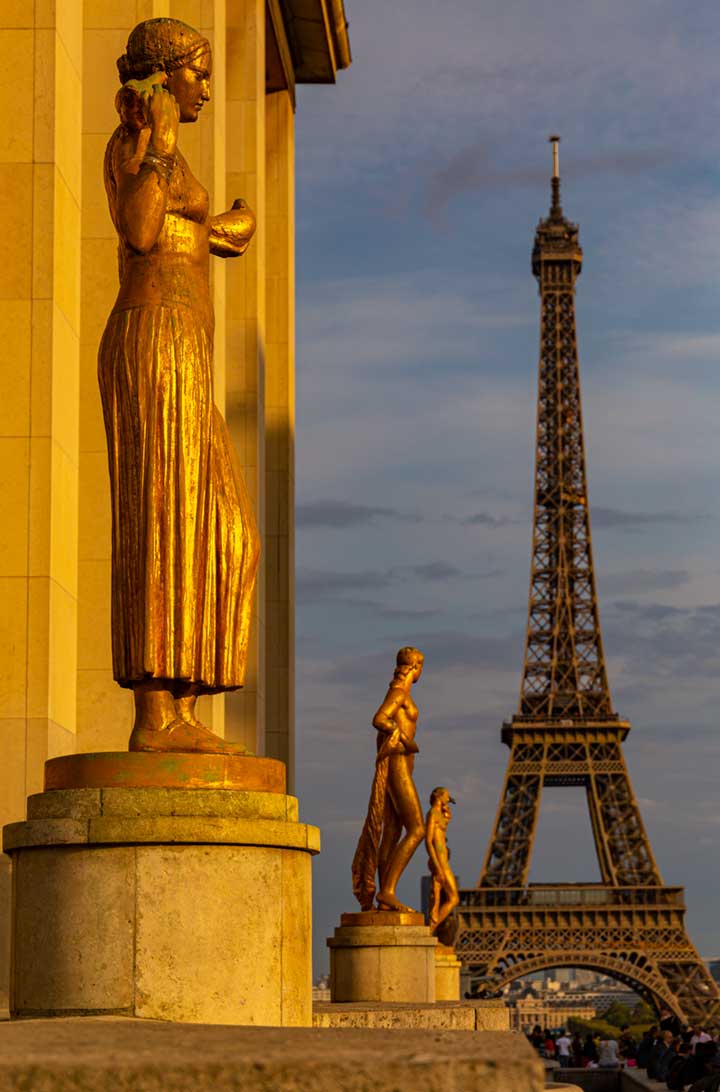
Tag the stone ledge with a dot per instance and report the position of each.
(164, 830)
(155, 802)
(382, 936)
(438, 1016)
(110, 1055)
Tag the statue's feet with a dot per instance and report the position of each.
(386, 900)
(183, 737)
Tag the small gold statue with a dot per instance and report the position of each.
(185, 547)
(444, 895)
(394, 803)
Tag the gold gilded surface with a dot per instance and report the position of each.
(383, 917)
(138, 770)
(444, 896)
(394, 825)
(185, 546)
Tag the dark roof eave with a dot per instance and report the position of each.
(318, 33)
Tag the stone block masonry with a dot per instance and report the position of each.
(111, 1055)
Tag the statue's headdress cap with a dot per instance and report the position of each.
(159, 45)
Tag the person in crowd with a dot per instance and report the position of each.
(699, 1035)
(563, 1045)
(682, 1068)
(668, 1022)
(627, 1046)
(536, 1038)
(549, 1046)
(703, 1068)
(658, 1052)
(576, 1051)
(645, 1046)
(589, 1051)
(608, 1054)
(662, 1067)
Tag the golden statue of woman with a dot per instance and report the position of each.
(394, 803)
(185, 547)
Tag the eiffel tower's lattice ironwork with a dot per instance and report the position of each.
(630, 925)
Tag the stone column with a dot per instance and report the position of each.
(40, 186)
(245, 323)
(280, 431)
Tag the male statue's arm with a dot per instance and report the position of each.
(430, 832)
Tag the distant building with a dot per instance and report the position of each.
(321, 988)
(526, 1012)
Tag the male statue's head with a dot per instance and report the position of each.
(441, 795)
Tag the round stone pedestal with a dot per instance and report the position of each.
(447, 974)
(382, 956)
(185, 904)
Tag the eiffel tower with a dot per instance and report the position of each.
(630, 926)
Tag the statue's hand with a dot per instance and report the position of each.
(231, 231)
(163, 114)
(240, 218)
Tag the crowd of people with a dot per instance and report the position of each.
(679, 1057)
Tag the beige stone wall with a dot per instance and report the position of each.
(58, 280)
(245, 321)
(40, 198)
(279, 539)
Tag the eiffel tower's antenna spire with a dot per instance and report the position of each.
(555, 206)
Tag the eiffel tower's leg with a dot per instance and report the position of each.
(623, 847)
(693, 985)
(508, 857)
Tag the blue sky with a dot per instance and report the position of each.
(421, 177)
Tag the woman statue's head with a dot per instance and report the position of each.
(409, 663)
(160, 45)
(178, 51)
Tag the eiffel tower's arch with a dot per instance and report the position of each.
(623, 967)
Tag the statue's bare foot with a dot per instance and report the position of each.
(387, 901)
(183, 737)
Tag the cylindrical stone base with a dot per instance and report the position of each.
(447, 974)
(170, 904)
(382, 962)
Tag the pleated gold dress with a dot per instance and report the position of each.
(185, 546)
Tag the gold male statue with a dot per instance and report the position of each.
(394, 803)
(185, 547)
(444, 895)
